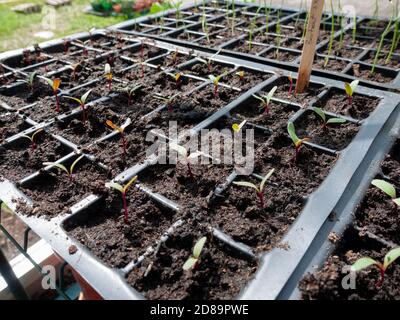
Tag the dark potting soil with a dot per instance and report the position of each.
(103, 231)
(46, 68)
(391, 164)
(245, 46)
(7, 78)
(250, 78)
(336, 65)
(186, 36)
(46, 108)
(281, 55)
(332, 136)
(220, 274)
(393, 62)
(326, 284)
(11, 124)
(342, 52)
(268, 39)
(365, 73)
(208, 101)
(201, 70)
(170, 60)
(337, 102)
(29, 59)
(276, 118)
(20, 95)
(140, 54)
(54, 193)
(176, 183)
(19, 160)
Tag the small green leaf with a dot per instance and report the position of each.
(348, 89)
(198, 247)
(246, 184)
(49, 81)
(397, 201)
(75, 99)
(363, 263)
(85, 96)
(354, 85)
(390, 257)
(189, 264)
(126, 187)
(319, 112)
(386, 187)
(74, 164)
(271, 93)
(58, 165)
(292, 132)
(259, 98)
(335, 120)
(115, 186)
(269, 174)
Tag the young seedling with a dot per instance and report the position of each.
(252, 26)
(237, 127)
(332, 35)
(296, 140)
(215, 81)
(350, 88)
(74, 67)
(325, 120)
(291, 84)
(366, 262)
(387, 188)
(66, 44)
(267, 10)
(193, 261)
(177, 77)
(123, 190)
(82, 104)
(32, 139)
(240, 74)
(70, 171)
(122, 133)
(259, 189)
(130, 92)
(55, 85)
(266, 99)
(208, 61)
(108, 75)
(30, 80)
(169, 101)
(188, 157)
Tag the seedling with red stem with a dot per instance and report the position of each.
(241, 75)
(266, 99)
(325, 120)
(259, 189)
(194, 259)
(32, 139)
(30, 80)
(296, 140)
(169, 101)
(108, 75)
(66, 44)
(350, 88)
(291, 84)
(69, 171)
(82, 104)
(130, 92)
(187, 158)
(123, 190)
(74, 67)
(366, 262)
(215, 81)
(208, 61)
(55, 85)
(177, 77)
(122, 133)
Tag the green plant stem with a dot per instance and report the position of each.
(378, 52)
(332, 35)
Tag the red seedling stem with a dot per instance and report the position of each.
(291, 87)
(190, 171)
(350, 100)
(297, 152)
(57, 101)
(142, 50)
(83, 107)
(382, 277)
(260, 196)
(266, 108)
(125, 207)
(123, 143)
(169, 107)
(109, 84)
(33, 146)
(66, 47)
(216, 90)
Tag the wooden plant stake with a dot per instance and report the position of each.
(310, 42)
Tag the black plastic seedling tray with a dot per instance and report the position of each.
(356, 58)
(279, 267)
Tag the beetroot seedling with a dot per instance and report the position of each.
(69, 171)
(325, 120)
(108, 75)
(169, 101)
(75, 69)
(237, 127)
(208, 60)
(32, 138)
(177, 77)
(82, 104)
(266, 99)
(123, 190)
(259, 189)
(55, 85)
(215, 81)
(240, 74)
(122, 133)
(187, 158)
(66, 44)
(130, 92)
(194, 259)
(366, 262)
(29, 80)
(296, 140)
(387, 188)
(350, 88)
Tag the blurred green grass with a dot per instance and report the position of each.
(17, 30)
